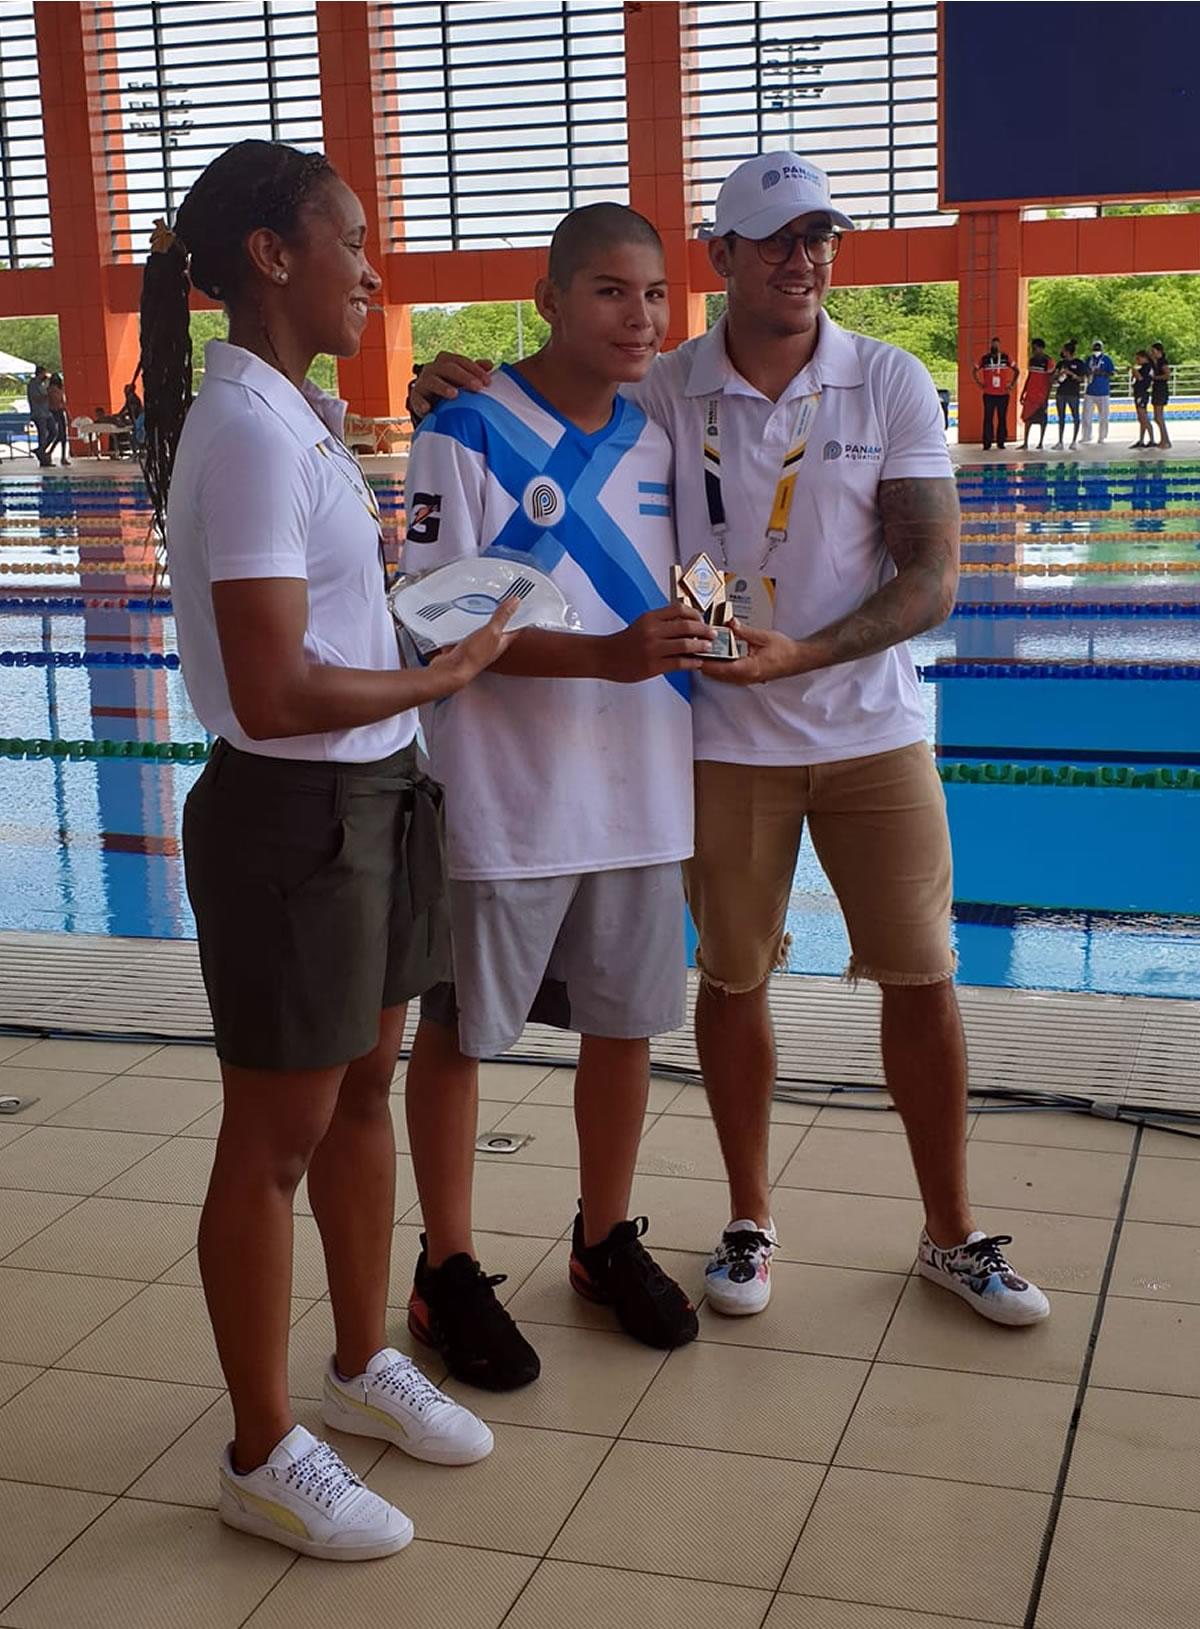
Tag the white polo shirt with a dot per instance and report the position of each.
(879, 419)
(264, 486)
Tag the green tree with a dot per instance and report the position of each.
(484, 329)
(34, 339)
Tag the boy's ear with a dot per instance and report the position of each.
(545, 298)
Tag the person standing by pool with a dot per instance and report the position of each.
(310, 841)
(996, 376)
(1160, 390)
(56, 403)
(1141, 380)
(1070, 378)
(39, 411)
(816, 458)
(1035, 392)
(1096, 398)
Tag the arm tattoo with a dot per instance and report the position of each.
(921, 533)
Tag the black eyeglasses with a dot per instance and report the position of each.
(820, 245)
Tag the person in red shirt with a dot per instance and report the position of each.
(1035, 392)
(996, 377)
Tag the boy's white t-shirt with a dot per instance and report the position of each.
(548, 777)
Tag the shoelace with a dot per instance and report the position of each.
(988, 1254)
(321, 1475)
(477, 1302)
(406, 1380)
(741, 1243)
(626, 1250)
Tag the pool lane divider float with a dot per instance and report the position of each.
(43, 603)
(985, 669)
(1064, 568)
(89, 658)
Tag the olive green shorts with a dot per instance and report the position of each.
(319, 901)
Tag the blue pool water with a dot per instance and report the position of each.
(1078, 881)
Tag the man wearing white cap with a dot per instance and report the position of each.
(810, 463)
(1100, 369)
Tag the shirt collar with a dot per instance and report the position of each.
(309, 413)
(834, 362)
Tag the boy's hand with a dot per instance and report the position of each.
(459, 664)
(662, 641)
(443, 378)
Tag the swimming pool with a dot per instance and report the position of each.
(1062, 697)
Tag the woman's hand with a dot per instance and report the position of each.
(455, 667)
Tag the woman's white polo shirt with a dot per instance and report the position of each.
(264, 487)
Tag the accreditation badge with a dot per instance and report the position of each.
(751, 598)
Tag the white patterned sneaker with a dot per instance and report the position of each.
(305, 1498)
(393, 1400)
(978, 1271)
(737, 1280)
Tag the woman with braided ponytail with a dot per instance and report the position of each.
(311, 841)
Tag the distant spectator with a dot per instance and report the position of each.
(1141, 378)
(995, 376)
(1035, 392)
(1070, 379)
(56, 396)
(39, 411)
(1100, 367)
(1160, 390)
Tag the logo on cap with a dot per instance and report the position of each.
(543, 501)
(771, 178)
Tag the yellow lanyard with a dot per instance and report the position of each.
(785, 489)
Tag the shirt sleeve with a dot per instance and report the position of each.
(445, 490)
(256, 497)
(914, 431)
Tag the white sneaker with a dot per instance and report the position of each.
(306, 1498)
(393, 1400)
(978, 1271)
(737, 1280)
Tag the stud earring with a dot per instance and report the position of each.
(281, 277)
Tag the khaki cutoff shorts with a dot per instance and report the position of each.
(879, 828)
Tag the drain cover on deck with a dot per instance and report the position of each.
(14, 1105)
(502, 1142)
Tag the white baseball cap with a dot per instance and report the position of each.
(762, 195)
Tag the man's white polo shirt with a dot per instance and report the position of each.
(879, 419)
(263, 486)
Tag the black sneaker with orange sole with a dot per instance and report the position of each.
(454, 1309)
(620, 1273)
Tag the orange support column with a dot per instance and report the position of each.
(992, 300)
(354, 109)
(655, 92)
(99, 345)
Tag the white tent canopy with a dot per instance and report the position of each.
(13, 365)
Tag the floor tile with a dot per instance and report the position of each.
(186, 1474)
(413, 1587)
(308, 1260)
(141, 1103)
(934, 1329)
(686, 1213)
(1139, 1449)
(144, 1564)
(1149, 1346)
(511, 1198)
(180, 1063)
(840, 1311)
(869, 1539)
(93, 1432)
(45, 1314)
(668, 1510)
(37, 1524)
(113, 1238)
(1165, 1191)
(175, 1174)
(51, 1089)
(1051, 1130)
(11, 1130)
(513, 1254)
(563, 1593)
(24, 1213)
(590, 1382)
(54, 1159)
(547, 1297)
(552, 1130)
(710, 1396)
(803, 1612)
(1157, 1588)
(852, 1162)
(510, 1082)
(1067, 1181)
(687, 1146)
(558, 1091)
(1057, 1252)
(14, 1377)
(1160, 1144)
(89, 1057)
(312, 1341)
(1158, 1263)
(847, 1230)
(206, 1125)
(10, 1045)
(516, 1499)
(964, 1427)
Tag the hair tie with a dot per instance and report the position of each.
(163, 239)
